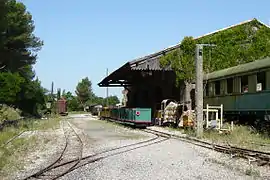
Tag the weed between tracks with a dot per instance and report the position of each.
(241, 136)
(250, 171)
(11, 154)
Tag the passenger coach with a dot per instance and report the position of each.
(243, 90)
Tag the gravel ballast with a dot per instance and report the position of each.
(171, 159)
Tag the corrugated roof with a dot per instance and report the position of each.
(252, 66)
(151, 64)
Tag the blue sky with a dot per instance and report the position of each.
(84, 37)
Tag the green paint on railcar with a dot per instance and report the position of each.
(142, 115)
(259, 101)
(240, 69)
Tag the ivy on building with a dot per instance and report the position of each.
(241, 44)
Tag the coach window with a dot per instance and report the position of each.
(261, 81)
(244, 84)
(217, 88)
(206, 89)
(230, 86)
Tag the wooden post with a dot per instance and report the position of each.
(207, 115)
(107, 89)
(199, 89)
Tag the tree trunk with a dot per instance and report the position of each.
(187, 98)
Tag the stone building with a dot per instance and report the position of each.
(147, 83)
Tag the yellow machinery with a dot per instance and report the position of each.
(104, 113)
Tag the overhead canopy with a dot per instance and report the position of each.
(129, 73)
(117, 78)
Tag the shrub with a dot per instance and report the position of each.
(9, 113)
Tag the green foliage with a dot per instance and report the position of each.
(19, 42)
(18, 52)
(182, 60)
(237, 45)
(58, 93)
(9, 113)
(112, 101)
(84, 91)
(68, 96)
(86, 97)
(31, 98)
(10, 84)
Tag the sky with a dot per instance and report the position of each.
(84, 37)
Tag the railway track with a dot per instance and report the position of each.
(13, 138)
(262, 158)
(73, 149)
(73, 164)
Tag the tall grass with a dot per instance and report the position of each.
(241, 135)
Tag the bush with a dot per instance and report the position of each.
(9, 113)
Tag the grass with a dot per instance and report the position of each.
(250, 171)
(241, 136)
(12, 153)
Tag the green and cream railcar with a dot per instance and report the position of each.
(243, 89)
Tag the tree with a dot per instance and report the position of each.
(18, 52)
(68, 96)
(181, 61)
(73, 104)
(112, 101)
(19, 44)
(58, 93)
(10, 86)
(84, 91)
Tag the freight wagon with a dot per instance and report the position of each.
(244, 90)
(138, 117)
(61, 107)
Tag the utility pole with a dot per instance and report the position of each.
(107, 90)
(199, 88)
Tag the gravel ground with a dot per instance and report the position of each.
(171, 159)
(49, 145)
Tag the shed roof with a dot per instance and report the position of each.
(248, 67)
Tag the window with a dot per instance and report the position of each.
(261, 81)
(229, 85)
(244, 84)
(206, 89)
(217, 88)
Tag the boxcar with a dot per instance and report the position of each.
(244, 90)
(61, 107)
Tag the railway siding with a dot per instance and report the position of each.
(251, 161)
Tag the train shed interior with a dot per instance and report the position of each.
(146, 82)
